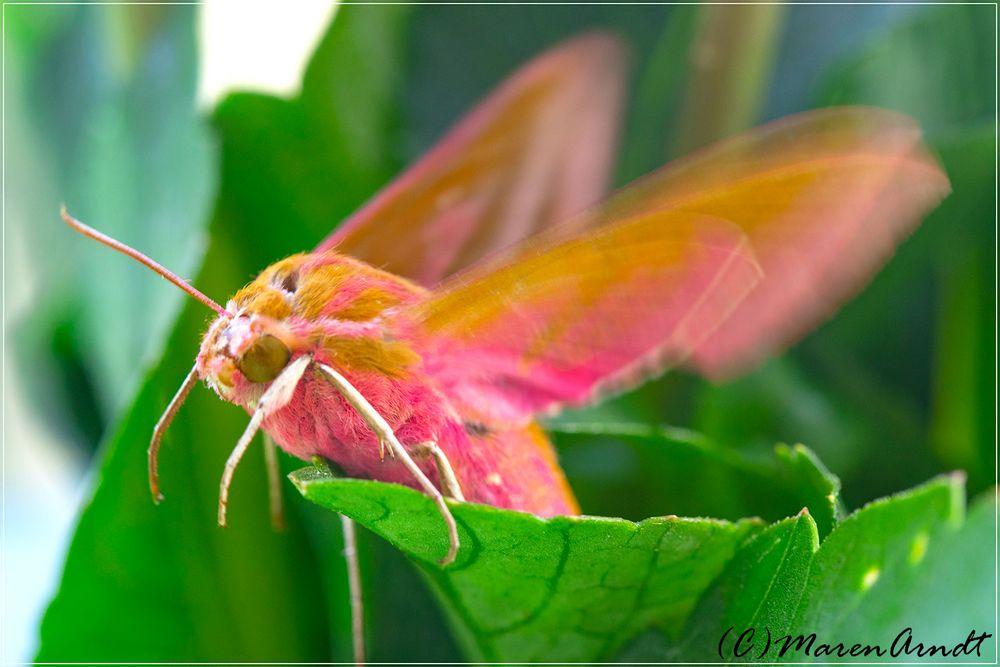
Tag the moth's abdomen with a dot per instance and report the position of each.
(515, 468)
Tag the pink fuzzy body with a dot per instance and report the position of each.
(506, 464)
(509, 468)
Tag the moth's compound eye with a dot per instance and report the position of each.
(264, 360)
(289, 282)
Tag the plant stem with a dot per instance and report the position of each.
(731, 60)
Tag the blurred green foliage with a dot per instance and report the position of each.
(897, 388)
(102, 118)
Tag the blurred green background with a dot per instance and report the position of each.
(101, 113)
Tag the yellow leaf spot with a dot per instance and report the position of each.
(869, 578)
(918, 548)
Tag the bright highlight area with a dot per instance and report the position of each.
(871, 576)
(257, 46)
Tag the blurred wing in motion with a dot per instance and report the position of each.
(557, 321)
(715, 261)
(824, 198)
(535, 152)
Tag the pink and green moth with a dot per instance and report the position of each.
(490, 284)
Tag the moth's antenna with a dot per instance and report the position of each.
(92, 233)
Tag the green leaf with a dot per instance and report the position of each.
(935, 66)
(165, 583)
(667, 468)
(809, 480)
(905, 561)
(119, 141)
(963, 422)
(761, 585)
(780, 402)
(525, 588)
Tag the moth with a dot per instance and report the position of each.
(490, 284)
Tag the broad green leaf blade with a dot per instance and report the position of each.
(526, 589)
(104, 121)
(684, 472)
(905, 561)
(912, 560)
(165, 583)
(109, 129)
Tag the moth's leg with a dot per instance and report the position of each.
(275, 398)
(354, 585)
(385, 435)
(274, 484)
(161, 427)
(446, 474)
(353, 577)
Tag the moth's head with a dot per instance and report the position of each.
(254, 337)
(254, 341)
(240, 352)
(270, 321)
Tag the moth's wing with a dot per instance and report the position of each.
(824, 198)
(558, 320)
(535, 152)
(816, 202)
